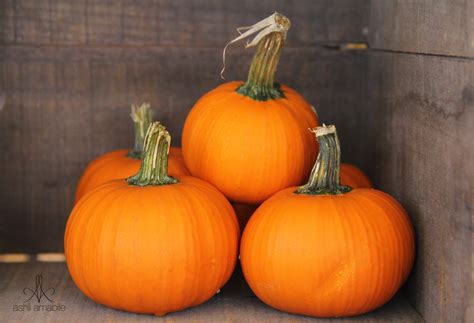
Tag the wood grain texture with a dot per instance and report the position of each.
(424, 154)
(70, 70)
(443, 27)
(230, 305)
(172, 23)
(65, 106)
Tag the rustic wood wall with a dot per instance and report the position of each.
(405, 109)
(69, 70)
(421, 72)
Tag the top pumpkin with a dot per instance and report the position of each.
(239, 135)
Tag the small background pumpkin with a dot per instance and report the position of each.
(123, 163)
(354, 177)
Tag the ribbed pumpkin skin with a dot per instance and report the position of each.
(238, 144)
(327, 255)
(154, 249)
(354, 177)
(116, 164)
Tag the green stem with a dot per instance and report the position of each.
(141, 117)
(154, 167)
(260, 84)
(324, 177)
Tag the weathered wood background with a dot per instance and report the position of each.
(421, 81)
(404, 109)
(70, 70)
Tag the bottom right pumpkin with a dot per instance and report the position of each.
(324, 249)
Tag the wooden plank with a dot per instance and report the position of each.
(168, 23)
(12, 196)
(230, 305)
(7, 21)
(64, 106)
(68, 21)
(105, 22)
(443, 27)
(32, 21)
(424, 149)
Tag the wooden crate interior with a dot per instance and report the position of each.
(404, 108)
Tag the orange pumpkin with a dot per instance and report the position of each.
(123, 163)
(324, 249)
(237, 136)
(154, 243)
(354, 177)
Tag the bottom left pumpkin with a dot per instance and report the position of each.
(152, 243)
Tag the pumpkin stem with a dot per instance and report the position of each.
(260, 84)
(141, 116)
(324, 177)
(154, 167)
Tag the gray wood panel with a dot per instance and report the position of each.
(230, 305)
(172, 23)
(424, 154)
(435, 27)
(64, 106)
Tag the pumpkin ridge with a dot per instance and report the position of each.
(103, 224)
(211, 190)
(184, 199)
(394, 226)
(399, 222)
(187, 198)
(287, 138)
(363, 210)
(380, 203)
(97, 220)
(305, 137)
(85, 223)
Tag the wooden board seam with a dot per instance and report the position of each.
(420, 53)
